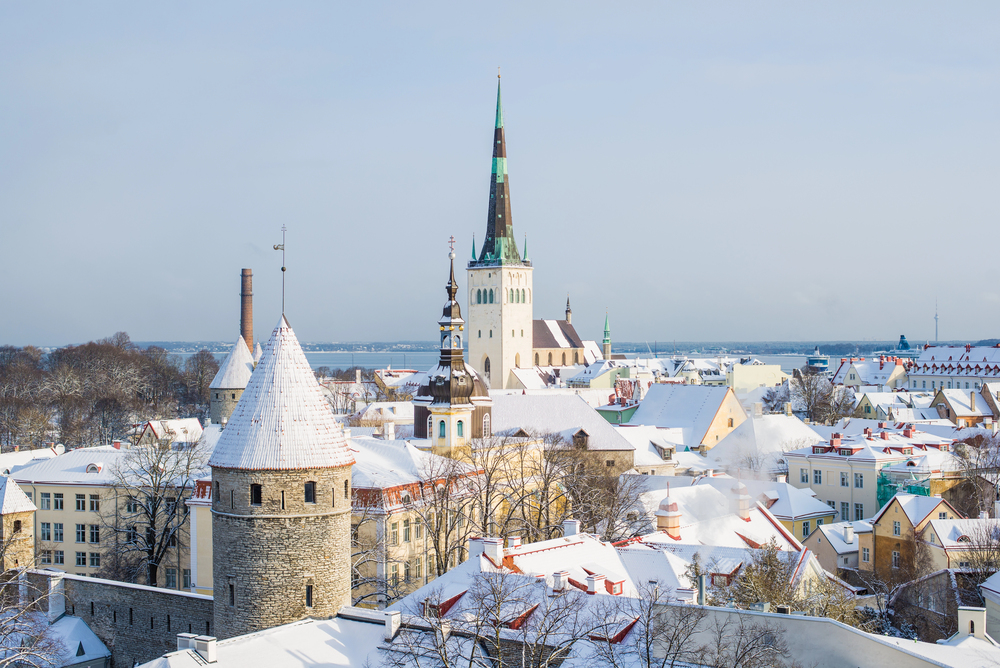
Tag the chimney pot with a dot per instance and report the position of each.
(849, 534)
(559, 580)
(571, 527)
(185, 640)
(206, 647)
(593, 582)
(514, 541)
(392, 621)
(493, 548)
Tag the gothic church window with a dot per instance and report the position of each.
(550, 359)
(491, 296)
(536, 359)
(479, 296)
(523, 300)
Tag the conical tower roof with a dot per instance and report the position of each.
(235, 370)
(13, 499)
(257, 352)
(282, 420)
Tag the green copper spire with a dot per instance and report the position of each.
(473, 247)
(607, 328)
(499, 246)
(525, 247)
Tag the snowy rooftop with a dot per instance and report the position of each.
(282, 420)
(961, 532)
(83, 466)
(12, 499)
(379, 464)
(563, 414)
(235, 370)
(835, 535)
(764, 437)
(690, 407)
(917, 508)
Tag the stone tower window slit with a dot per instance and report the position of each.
(310, 492)
(309, 596)
(282, 499)
(256, 494)
(346, 490)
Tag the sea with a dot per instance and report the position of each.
(424, 360)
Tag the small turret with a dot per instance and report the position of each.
(569, 312)
(607, 338)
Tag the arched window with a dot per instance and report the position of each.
(564, 359)
(576, 358)
(491, 333)
(486, 425)
(491, 296)
(458, 341)
(480, 334)
(441, 429)
(730, 422)
(536, 359)
(550, 359)
(479, 296)
(523, 300)
(512, 295)
(460, 429)
(517, 360)
(430, 426)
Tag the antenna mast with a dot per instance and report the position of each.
(281, 247)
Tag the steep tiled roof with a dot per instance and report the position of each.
(235, 370)
(282, 420)
(12, 499)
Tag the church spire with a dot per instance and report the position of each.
(607, 337)
(499, 247)
(569, 311)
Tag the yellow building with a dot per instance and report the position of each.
(703, 415)
(950, 543)
(749, 374)
(16, 527)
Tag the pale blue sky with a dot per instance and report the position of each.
(707, 171)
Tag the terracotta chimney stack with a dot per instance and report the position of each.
(246, 307)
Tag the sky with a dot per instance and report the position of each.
(698, 170)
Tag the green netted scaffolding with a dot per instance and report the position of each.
(888, 489)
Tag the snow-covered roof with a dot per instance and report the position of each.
(282, 420)
(183, 430)
(564, 414)
(12, 499)
(962, 406)
(12, 461)
(79, 643)
(650, 443)
(257, 352)
(785, 501)
(340, 641)
(764, 437)
(966, 533)
(691, 407)
(835, 535)
(916, 507)
(83, 466)
(235, 370)
(379, 464)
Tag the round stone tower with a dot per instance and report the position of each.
(227, 387)
(281, 499)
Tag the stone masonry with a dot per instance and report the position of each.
(265, 556)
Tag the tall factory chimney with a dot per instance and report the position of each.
(246, 308)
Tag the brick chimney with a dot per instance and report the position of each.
(972, 401)
(595, 583)
(246, 307)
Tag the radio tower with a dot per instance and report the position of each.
(935, 322)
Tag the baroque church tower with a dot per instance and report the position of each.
(500, 289)
(281, 499)
(454, 405)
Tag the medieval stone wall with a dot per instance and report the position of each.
(136, 622)
(265, 556)
(222, 403)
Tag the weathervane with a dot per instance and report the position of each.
(281, 247)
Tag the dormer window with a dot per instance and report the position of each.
(95, 467)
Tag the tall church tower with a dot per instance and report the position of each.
(454, 405)
(606, 344)
(281, 499)
(500, 318)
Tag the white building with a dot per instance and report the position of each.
(955, 367)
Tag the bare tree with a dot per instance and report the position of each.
(978, 459)
(146, 511)
(25, 639)
(663, 633)
(741, 641)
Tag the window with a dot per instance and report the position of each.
(418, 568)
(57, 501)
(406, 531)
(805, 529)
(845, 511)
(730, 422)
(441, 429)
(347, 492)
(81, 502)
(923, 384)
(479, 296)
(859, 481)
(46, 531)
(187, 578)
(844, 482)
(804, 476)
(170, 505)
(46, 556)
(895, 559)
(256, 495)
(479, 334)
(394, 533)
(491, 301)
(859, 512)
(46, 501)
(232, 499)
(394, 574)
(895, 529)
(817, 477)
(95, 533)
(832, 504)
(819, 522)
(171, 578)
(81, 558)
(58, 557)
(486, 425)
(865, 554)
(132, 504)
(57, 532)
(81, 533)
(868, 409)
(460, 429)
(95, 503)
(418, 530)
(232, 595)
(30, 496)
(95, 559)
(942, 515)
(406, 571)
(310, 492)
(309, 596)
